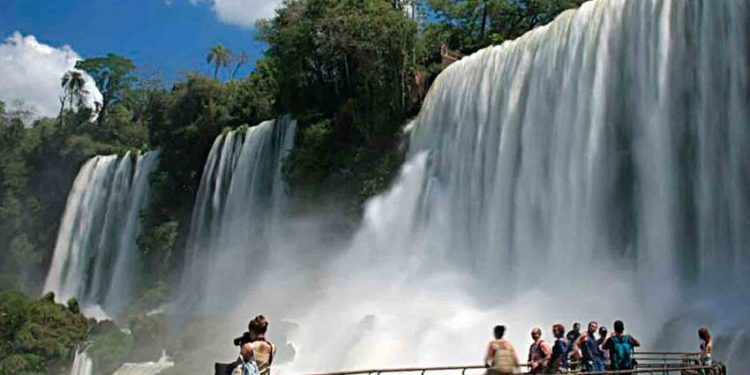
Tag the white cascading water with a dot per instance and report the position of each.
(145, 368)
(240, 199)
(82, 364)
(96, 252)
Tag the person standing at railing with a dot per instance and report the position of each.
(256, 355)
(601, 340)
(620, 348)
(707, 346)
(572, 337)
(574, 333)
(501, 358)
(539, 352)
(559, 360)
(593, 358)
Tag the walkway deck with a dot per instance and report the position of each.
(664, 363)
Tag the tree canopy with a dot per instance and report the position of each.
(468, 25)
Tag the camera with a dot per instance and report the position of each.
(242, 340)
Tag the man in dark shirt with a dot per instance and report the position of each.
(593, 358)
(559, 359)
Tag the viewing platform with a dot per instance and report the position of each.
(665, 363)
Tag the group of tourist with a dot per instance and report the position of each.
(591, 353)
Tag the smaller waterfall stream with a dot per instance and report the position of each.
(96, 248)
(82, 364)
(145, 368)
(240, 200)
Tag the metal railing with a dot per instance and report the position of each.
(665, 363)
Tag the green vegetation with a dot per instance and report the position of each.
(37, 336)
(38, 164)
(467, 26)
(344, 70)
(350, 71)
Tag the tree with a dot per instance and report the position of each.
(251, 100)
(220, 56)
(72, 83)
(468, 25)
(239, 60)
(113, 75)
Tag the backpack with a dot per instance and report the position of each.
(246, 368)
(621, 353)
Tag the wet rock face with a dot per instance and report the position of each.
(103, 327)
(150, 333)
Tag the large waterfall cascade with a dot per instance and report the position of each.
(96, 254)
(618, 133)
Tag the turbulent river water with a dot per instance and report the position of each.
(597, 168)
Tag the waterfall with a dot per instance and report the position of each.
(96, 251)
(595, 168)
(617, 135)
(82, 364)
(240, 200)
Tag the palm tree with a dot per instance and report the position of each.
(72, 83)
(239, 60)
(220, 56)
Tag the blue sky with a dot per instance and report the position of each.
(170, 37)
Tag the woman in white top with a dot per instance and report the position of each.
(707, 346)
(501, 358)
(257, 355)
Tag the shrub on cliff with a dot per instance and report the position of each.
(37, 336)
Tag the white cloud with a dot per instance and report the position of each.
(31, 71)
(242, 13)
